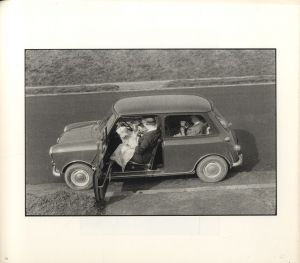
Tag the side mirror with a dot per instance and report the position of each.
(229, 124)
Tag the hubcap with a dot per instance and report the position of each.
(213, 169)
(79, 178)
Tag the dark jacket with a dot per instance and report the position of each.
(143, 151)
(195, 129)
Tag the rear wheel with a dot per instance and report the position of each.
(79, 176)
(212, 169)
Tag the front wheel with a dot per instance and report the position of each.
(79, 176)
(212, 169)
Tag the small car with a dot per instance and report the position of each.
(82, 153)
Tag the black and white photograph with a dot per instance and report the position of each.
(150, 132)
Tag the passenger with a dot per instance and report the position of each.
(183, 128)
(125, 150)
(146, 142)
(196, 128)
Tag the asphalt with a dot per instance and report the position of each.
(251, 109)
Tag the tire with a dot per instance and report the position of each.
(79, 176)
(212, 169)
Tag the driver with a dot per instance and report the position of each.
(146, 143)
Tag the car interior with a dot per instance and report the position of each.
(114, 140)
(174, 124)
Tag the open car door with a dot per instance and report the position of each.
(102, 177)
(102, 174)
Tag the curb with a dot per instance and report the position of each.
(149, 85)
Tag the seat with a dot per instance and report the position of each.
(145, 166)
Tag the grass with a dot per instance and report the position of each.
(77, 67)
(60, 201)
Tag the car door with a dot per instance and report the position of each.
(181, 153)
(102, 174)
(102, 179)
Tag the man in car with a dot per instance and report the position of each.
(196, 128)
(146, 143)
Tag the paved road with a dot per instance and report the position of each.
(251, 109)
(240, 194)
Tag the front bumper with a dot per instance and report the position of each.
(55, 172)
(239, 161)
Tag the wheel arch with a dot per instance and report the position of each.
(74, 162)
(212, 154)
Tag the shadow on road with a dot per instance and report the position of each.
(133, 185)
(249, 150)
(141, 184)
(129, 185)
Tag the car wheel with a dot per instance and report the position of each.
(212, 169)
(79, 176)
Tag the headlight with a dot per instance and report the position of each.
(237, 147)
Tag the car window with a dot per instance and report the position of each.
(187, 125)
(135, 122)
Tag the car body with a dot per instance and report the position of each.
(83, 149)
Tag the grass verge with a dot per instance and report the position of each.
(149, 85)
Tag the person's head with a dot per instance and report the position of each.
(123, 131)
(182, 123)
(195, 119)
(149, 123)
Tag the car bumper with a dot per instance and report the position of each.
(55, 172)
(239, 161)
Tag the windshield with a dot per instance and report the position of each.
(105, 124)
(108, 121)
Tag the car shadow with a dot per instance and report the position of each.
(136, 184)
(101, 206)
(131, 185)
(249, 150)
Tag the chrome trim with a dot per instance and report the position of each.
(55, 172)
(239, 162)
(50, 151)
(136, 174)
(237, 147)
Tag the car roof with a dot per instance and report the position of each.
(162, 104)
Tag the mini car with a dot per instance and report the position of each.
(82, 153)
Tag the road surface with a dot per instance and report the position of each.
(251, 109)
(250, 189)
